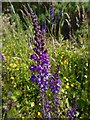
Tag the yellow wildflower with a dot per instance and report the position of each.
(11, 64)
(66, 62)
(39, 114)
(62, 53)
(72, 85)
(12, 78)
(67, 86)
(14, 65)
(64, 78)
(23, 118)
(62, 63)
(62, 56)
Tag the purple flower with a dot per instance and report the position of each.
(9, 92)
(48, 108)
(8, 101)
(6, 109)
(55, 83)
(40, 55)
(33, 68)
(33, 78)
(39, 68)
(71, 113)
(34, 57)
(1, 56)
(42, 64)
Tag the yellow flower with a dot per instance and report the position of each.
(14, 65)
(11, 64)
(72, 85)
(62, 53)
(66, 62)
(23, 118)
(67, 86)
(62, 56)
(39, 113)
(32, 104)
(62, 90)
(17, 69)
(12, 78)
(64, 78)
(62, 63)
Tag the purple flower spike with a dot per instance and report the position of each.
(48, 108)
(71, 113)
(55, 83)
(42, 63)
(40, 55)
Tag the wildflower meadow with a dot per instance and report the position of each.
(45, 61)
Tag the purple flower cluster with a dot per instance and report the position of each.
(40, 70)
(55, 83)
(48, 109)
(40, 57)
(71, 113)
